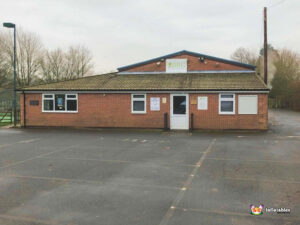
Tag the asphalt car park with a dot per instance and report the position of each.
(94, 176)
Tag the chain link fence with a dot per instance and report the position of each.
(6, 106)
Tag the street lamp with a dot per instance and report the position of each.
(11, 25)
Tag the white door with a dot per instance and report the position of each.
(179, 119)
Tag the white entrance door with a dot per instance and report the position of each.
(179, 118)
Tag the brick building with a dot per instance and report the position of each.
(182, 90)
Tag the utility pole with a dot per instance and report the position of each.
(265, 48)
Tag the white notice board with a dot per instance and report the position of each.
(202, 103)
(154, 104)
(248, 104)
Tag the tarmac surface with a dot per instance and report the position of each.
(128, 177)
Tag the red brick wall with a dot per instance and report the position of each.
(211, 119)
(114, 110)
(193, 63)
(97, 110)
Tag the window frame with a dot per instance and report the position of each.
(139, 99)
(53, 99)
(227, 99)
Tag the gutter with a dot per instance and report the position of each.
(150, 90)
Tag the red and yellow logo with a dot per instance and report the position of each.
(256, 210)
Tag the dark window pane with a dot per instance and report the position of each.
(138, 96)
(48, 96)
(226, 106)
(48, 105)
(179, 104)
(72, 105)
(59, 102)
(71, 96)
(138, 106)
(226, 96)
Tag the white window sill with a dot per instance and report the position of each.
(138, 112)
(226, 113)
(59, 111)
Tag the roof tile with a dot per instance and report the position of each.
(187, 81)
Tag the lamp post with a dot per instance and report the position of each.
(12, 25)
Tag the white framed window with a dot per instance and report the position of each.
(60, 103)
(138, 103)
(248, 104)
(227, 104)
(48, 102)
(202, 102)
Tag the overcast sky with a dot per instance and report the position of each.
(121, 32)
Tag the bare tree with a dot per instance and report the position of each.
(287, 74)
(6, 71)
(57, 65)
(53, 65)
(288, 64)
(35, 64)
(244, 55)
(78, 62)
(28, 55)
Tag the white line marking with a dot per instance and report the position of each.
(262, 180)
(234, 213)
(251, 160)
(67, 180)
(116, 161)
(20, 142)
(28, 219)
(29, 141)
(186, 185)
(35, 157)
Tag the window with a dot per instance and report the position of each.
(138, 103)
(59, 102)
(226, 104)
(71, 102)
(179, 105)
(247, 104)
(48, 102)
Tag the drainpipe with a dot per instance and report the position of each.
(24, 108)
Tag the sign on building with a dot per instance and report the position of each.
(176, 65)
(155, 104)
(202, 103)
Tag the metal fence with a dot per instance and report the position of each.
(6, 106)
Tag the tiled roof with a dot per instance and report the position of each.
(156, 82)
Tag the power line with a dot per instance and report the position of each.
(277, 4)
